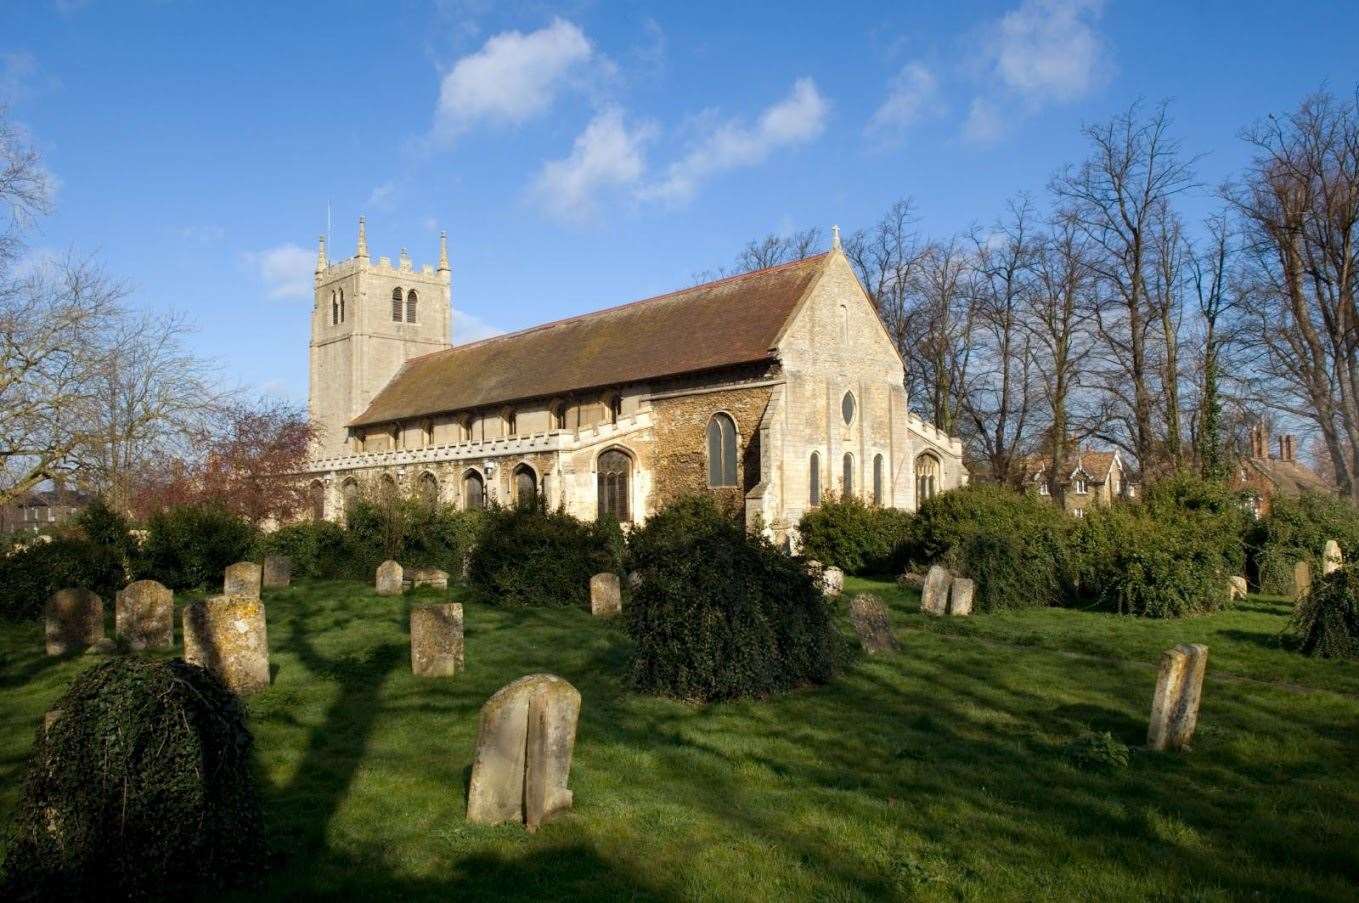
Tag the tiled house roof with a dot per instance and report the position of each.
(1096, 465)
(718, 324)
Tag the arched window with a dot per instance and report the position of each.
(429, 488)
(396, 304)
(814, 480)
(349, 491)
(848, 478)
(341, 305)
(721, 450)
(525, 486)
(877, 479)
(926, 477)
(473, 491)
(318, 500)
(410, 306)
(847, 408)
(615, 476)
(387, 489)
(334, 310)
(615, 408)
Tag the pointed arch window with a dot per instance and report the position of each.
(848, 477)
(721, 450)
(877, 479)
(411, 300)
(615, 478)
(814, 480)
(473, 491)
(926, 477)
(525, 486)
(396, 304)
(429, 488)
(847, 408)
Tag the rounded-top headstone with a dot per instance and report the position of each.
(389, 580)
(74, 621)
(606, 595)
(278, 571)
(242, 579)
(144, 615)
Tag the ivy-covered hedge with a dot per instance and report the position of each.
(1296, 529)
(855, 537)
(1326, 622)
(530, 556)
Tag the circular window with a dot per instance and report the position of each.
(847, 407)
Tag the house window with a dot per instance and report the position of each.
(1079, 486)
(615, 476)
(473, 491)
(525, 486)
(847, 480)
(847, 408)
(814, 480)
(1078, 512)
(1043, 488)
(411, 300)
(721, 450)
(877, 479)
(926, 477)
(429, 488)
(396, 305)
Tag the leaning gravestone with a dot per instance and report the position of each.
(242, 579)
(389, 579)
(144, 615)
(431, 577)
(227, 635)
(525, 737)
(832, 581)
(1331, 559)
(278, 572)
(1237, 588)
(960, 593)
(871, 623)
(75, 620)
(934, 597)
(436, 640)
(606, 597)
(1302, 579)
(1179, 687)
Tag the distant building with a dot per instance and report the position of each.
(38, 510)
(1094, 478)
(1263, 477)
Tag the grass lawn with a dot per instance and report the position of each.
(934, 773)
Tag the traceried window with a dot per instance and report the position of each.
(721, 450)
(525, 486)
(877, 479)
(847, 479)
(473, 491)
(847, 408)
(814, 480)
(411, 300)
(926, 477)
(615, 478)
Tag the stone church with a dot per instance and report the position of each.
(771, 391)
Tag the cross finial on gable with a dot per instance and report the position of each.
(835, 237)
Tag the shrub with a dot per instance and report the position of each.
(410, 531)
(1327, 618)
(94, 550)
(1012, 545)
(855, 537)
(189, 546)
(1296, 529)
(530, 556)
(315, 548)
(720, 613)
(1097, 749)
(141, 788)
(1218, 512)
(1127, 559)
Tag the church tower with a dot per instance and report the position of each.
(367, 320)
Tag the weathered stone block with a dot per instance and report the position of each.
(606, 596)
(1331, 559)
(874, 628)
(1302, 579)
(242, 579)
(1238, 588)
(431, 577)
(960, 594)
(437, 640)
(934, 597)
(389, 581)
(832, 581)
(526, 734)
(74, 621)
(278, 571)
(144, 615)
(1179, 687)
(228, 636)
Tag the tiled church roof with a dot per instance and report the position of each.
(717, 324)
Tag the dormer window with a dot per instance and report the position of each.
(1079, 486)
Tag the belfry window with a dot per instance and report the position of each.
(721, 451)
(334, 310)
(411, 299)
(396, 305)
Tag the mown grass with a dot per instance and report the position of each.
(934, 773)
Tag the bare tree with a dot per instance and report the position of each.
(1217, 306)
(888, 259)
(1166, 296)
(770, 251)
(25, 189)
(940, 325)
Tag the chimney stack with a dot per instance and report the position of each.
(1259, 442)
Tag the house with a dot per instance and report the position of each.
(1094, 478)
(769, 391)
(42, 509)
(1263, 477)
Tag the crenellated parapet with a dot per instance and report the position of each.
(931, 433)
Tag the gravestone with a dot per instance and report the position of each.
(144, 615)
(389, 579)
(934, 597)
(278, 571)
(832, 581)
(1238, 588)
(525, 737)
(431, 577)
(227, 635)
(1179, 687)
(606, 597)
(960, 593)
(74, 621)
(436, 640)
(1302, 579)
(871, 623)
(1331, 559)
(242, 579)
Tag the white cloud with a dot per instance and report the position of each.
(512, 78)
(471, 328)
(1040, 53)
(797, 119)
(381, 197)
(287, 271)
(912, 95)
(607, 155)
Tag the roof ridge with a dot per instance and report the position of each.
(617, 307)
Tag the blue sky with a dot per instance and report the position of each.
(582, 155)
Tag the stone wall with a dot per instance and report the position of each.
(681, 443)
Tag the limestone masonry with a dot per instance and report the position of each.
(771, 391)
